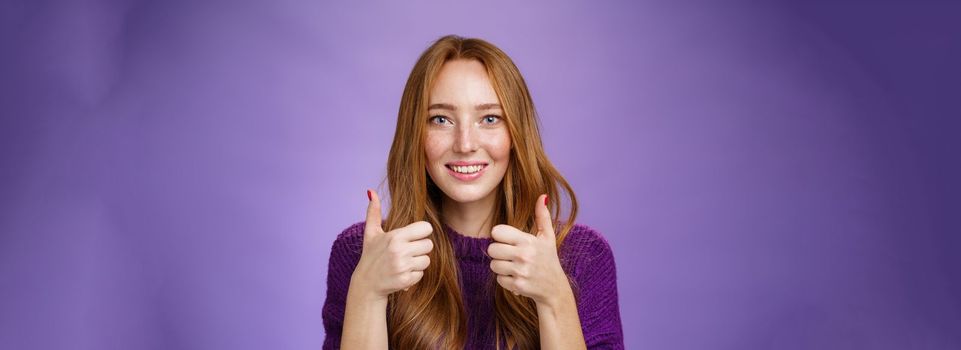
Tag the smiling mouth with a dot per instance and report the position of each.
(467, 169)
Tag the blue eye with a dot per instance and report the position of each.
(491, 119)
(443, 119)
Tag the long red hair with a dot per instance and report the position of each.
(432, 313)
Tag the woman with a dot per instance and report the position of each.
(470, 255)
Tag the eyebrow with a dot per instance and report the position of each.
(450, 107)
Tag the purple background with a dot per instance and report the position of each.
(778, 175)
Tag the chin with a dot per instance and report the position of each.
(462, 195)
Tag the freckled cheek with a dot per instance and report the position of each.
(434, 146)
(499, 146)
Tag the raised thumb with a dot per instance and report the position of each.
(542, 217)
(373, 223)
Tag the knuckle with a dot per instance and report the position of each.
(393, 252)
(424, 226)
(520, 284)
(524, 271)
(394, 249)
(409, 278)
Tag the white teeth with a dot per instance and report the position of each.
(467, 169)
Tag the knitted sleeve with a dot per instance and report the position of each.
(344, 255)
(590, 265)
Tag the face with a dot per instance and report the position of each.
(467, 141)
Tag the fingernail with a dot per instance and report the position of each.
(369, 198)
(545, 199)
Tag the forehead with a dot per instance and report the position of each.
(463, 81)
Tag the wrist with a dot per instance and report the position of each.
(357, 290)
(561, 297)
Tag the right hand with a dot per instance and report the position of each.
(391, 261)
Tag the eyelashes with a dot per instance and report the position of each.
(487, 119)
(437, 117)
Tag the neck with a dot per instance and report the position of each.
(472, 219)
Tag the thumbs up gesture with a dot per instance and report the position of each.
(527, 263)
(390, 261)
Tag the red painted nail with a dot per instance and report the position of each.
(545, 199)
(368, 196)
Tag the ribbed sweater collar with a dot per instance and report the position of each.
(466, 246)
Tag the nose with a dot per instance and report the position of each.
(464, 140)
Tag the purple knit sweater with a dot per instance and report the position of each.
(585, 256)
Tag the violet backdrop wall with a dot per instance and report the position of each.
(777, 175)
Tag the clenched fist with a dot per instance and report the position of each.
(391, 261)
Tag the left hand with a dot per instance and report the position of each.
(527, 263)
